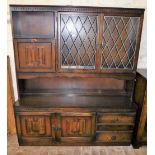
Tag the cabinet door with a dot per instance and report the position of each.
(35, 55)
(78, 127)
(77, 41)
(35, 125)
(119, 51)
(35, 128)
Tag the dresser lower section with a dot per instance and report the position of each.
(74, 126)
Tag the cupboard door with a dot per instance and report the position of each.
(119, 44)
(35, 55)
(79, 127)
(77, 41)
(35, 125)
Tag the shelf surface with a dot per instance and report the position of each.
(76, 101)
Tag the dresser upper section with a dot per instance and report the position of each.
(69, 39)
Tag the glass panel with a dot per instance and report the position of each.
(78, 41)
(119, 42)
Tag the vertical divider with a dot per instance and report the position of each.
(52, 119)
(56, 127)
(58, 124)
(94, 115)
(99, 41)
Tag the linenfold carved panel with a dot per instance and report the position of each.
(119, 42)
(76, 126)
(37, 57)
(35, 126)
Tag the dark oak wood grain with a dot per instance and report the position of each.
(76, 69)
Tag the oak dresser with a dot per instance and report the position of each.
(76, 70)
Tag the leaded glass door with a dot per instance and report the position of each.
(77, 35)
(119, 43)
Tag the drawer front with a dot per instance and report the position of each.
(34, 56)
(35, 126)
(114, 137)
(116, 118)
(114, 128)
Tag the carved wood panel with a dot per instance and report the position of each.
(36, 126)
(76, 126)
(35, 56)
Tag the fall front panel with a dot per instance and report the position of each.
(33, 55)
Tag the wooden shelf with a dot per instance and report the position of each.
(126, 76)
(76, 101)
(75, 92)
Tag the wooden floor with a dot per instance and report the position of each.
(15, 149)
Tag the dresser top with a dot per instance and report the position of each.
(75, 8)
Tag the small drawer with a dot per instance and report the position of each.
(114, 127)
(124, 136)
(116, 118)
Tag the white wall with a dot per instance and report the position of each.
(142, 62)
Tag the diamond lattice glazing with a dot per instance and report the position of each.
(119, 42)
(78, 41)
